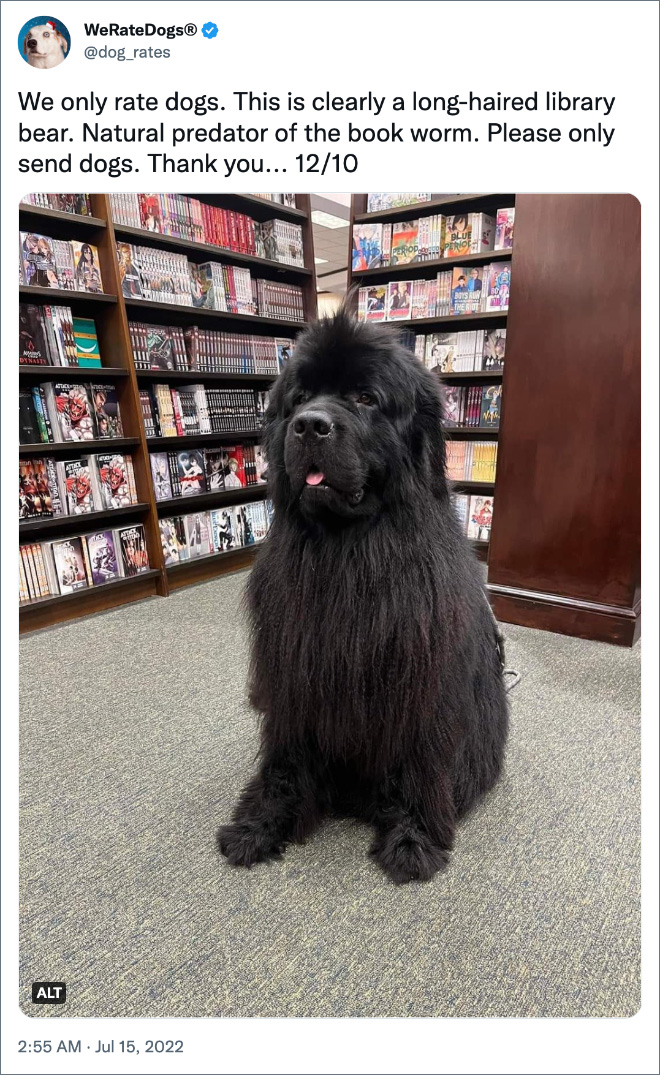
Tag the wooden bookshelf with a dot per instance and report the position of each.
(564, 552)
(112, 314)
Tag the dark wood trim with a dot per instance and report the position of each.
(74, 374)
(470, 433)
(212, 566)
(57, 296)
(179, 443)
(485, 203)
(144, 309)
(93, 520)
(481, 376)
(184, 505)
(204, 377)
(66, 225)
(257, 208)
(78, 447)
(566, 615)
(473, 487)
(47, 611)
(472, 320)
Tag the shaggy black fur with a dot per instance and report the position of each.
(374, 657)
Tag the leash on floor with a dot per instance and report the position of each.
(513, 677)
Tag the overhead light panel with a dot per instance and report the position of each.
(320, 261)
(328, 220)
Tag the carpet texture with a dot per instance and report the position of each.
(136, 739)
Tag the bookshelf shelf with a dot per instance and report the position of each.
(419, 268)
(202, 377)
(58, 296)
(471, 376)
(472, 320)
(204, 567)
(187, 315)
(66, 523)
(459, 433)
(446, 204)
(55, 222)
(43, 611)
(473, 486)
(204, 251)
(212, 500)
(79, 447)
(72, 374)
(157, 443)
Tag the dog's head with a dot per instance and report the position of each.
(44, 45)
(353, 424)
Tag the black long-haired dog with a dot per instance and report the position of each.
(375, 658)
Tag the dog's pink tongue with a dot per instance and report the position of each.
(314, 478)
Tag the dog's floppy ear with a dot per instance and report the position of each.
(62, 40)
(25, 41)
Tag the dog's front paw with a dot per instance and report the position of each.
(406, 854)
(244, 843)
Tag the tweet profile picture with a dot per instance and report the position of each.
(44, 42)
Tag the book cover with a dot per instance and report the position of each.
(284, 352)
(466, 288)
(69, 563)
(131, 287)
(399, 300)
(160, 348)
(102, 557)
(198, 534)
(32, 343)
(106, 411)
(366, 250)
(498, 286)
(494, 349)
(222, 529)
(504, 229)
(114, 481)
(38, 265)
(172, 549)
(405, 238)
(260, 464)
(457, 235)
(160, 475)
(74, 412)
(78, 486)
(235, 477)
(87, 272)
(480, 518)
(133, 546)
(87, 344)
(190, 467)
(491, 396)
(376, 303)
(441, 351)
(34, 500)
(451, 404)
(216, 465)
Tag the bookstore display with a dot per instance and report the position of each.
(109, 377)
(471, 289)
(475, 515)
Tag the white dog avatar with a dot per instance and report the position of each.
(44, 46)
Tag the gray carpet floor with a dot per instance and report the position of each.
(136, 738)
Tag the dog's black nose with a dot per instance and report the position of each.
(32, 44)
(313, 424)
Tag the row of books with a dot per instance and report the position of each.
(61, 412)
(58, 263)
(454, 292)
(475, 514)
(188, 218)
(202, 533)
(210, 470)
(52, 336)
(193, 409)
(378, 246)
(163, 276)
(474, 461)
(376, 203)
(48, 568)
(169, 347)
(472, 407)
(462, 352)
(48, 488)
(52, 413)
(63, 203)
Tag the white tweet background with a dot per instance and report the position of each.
(353, 48)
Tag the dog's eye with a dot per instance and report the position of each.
(46, 35)
(365, 399)
(300, 397)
